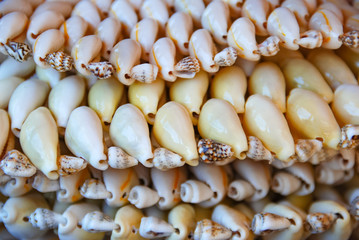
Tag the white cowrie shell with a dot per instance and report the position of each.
(329, 25)
(146, 96)
(43, 184)
(241, 36)
(15, 6)
(155, 9)
(264, 120)
(136, 4)
(163, 55)
(89, 12)
(240, 190)
(167, 184)
(332, 7)
(194, 8)
(124, 56)
(129, 131)
(20, 105)
(11, 68)
(257, 11)
(215, 19)
(311, 5)
(345, 105)
(85, 138)
(12, 25)
(300, 10)
(125, 13)
(42, 22)
(108, 31)
(182, 217)
(283, 24)
(146, 72)
(49, 75)
(48, 42)
(180, 33)
(143, 197)
(104, 97)
(173, 130)
(64, 98)
(39, 140)
(145, 33)
(219, 121)
(201, 46)
(129, 225)
(152, 228)
(85, 51)
(73, 28)
(16, 209)
(7, 87)
(4, 131)
(194, 191)
(15, 187)
(164, 159)
(63, 7)
(104, 6)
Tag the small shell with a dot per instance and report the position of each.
(15, 187)
(125, 13)
(257, 151)
(257, 11)
(129, 220)
(311, 39)
(153, 228)
(5, 131)
(264, 223)
(285, 183)
(269, 47)
(43, 184)
(143, 197)
(245, 44)
(109, 31)
(117, 158)
(282, 23)
(187, 67)
(46, 43)
(145, 73)
(16, 164)
(101, 69)
(207, 229)
(190, 92)
(349, 136)
(70, 165)
(350, 39)
(329, 25)
(215, 18)
(307, 148)
(89, 12)
(240, 190)
(211, 151)
(145, 33)
(45, 219)
(39, 140)
(230, 84)
(124, 56)
(94, 189)
(90, 147)
(194, 8)
(97, 221)
(219, 121)
(180, 33)
(227, 57)
(155, 9)
(193, 191)
(20, 105)
(70, 186)
(319, 222)
(129, 130)
(304, 172)
(59, 61)
(164, 159)
(201, 46)
(41, 22)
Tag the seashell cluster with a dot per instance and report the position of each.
(179, 119)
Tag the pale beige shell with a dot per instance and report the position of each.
(12, 68)
(194, 8)
(129, 131)
(109, 31)
(257, 11)
(182, 217)
(180, 33)
(345, 105)
(4, 131)
(7, 87)
(89, 12)
(128, 218)
(190, 93)
(123, 11)
(155, 9)
(73, 28)
(300, 10)
(63, 7)
(39, 140)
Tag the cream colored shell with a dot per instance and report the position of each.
(125, 13)
(39, 140)
(257, 11)
(89, 12)
(180, 33)
(73, 28)
(109, 31)
(345, 105)
(7, 87)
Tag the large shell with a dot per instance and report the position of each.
(109, 31)
(163, 55)
(300, 73)
(104, 97)
(173, 130)
(65, 97)
(73, 28)
(345, 105)
(145, 33)
(230, 84)
(265, 121)
(182, 217)
(146, 96)
(219, 121)
(267, 79)
(180, 33)
(241, 36)
(257, 11)
(155, 9)
(7, 87)
(27, 96)
(124, 56)
(215, 19)
(84, 137)
(39, 140)
(88, 11)
(129, 220)
(15, 6)
(123, 11)
(4, 131)
(63, 7)
(11, 68)
(190, 93)
(311, 116)
(194, 8)
(129, 131)
(300, 10)
(201, 46)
